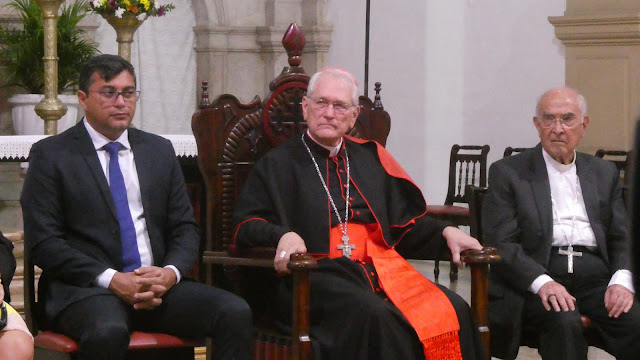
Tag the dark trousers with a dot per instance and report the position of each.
(561, 333)
(102, 324)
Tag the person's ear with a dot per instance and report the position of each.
(356, 112)
(82, 99)
(305, 107)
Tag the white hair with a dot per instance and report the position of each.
(582, 102)
(339, 74)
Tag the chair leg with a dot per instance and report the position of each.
(453, 272)
(436, 270)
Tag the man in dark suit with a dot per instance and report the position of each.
(558, 220)
(108, 219)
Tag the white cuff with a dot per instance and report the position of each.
(175, 270)
(104, 279)
(538, 282)
(624, 278)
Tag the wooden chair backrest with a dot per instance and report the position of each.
(232, 136)
(508, 151)
(619, 158)
(475, 196)
(467, 166)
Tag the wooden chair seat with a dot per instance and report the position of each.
(139, 341)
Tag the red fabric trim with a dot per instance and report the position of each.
(358, 235)
(385, 160)
(368, 277)
(425, 306)
(388, 162)
(235, 233)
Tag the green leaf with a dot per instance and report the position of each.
(22, 50)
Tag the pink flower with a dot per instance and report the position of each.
(161, 11)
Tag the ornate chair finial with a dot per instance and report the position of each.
(294, 41)
(377, 103)
(204, 99)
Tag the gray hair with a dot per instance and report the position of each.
(342, 75)
(582, 102)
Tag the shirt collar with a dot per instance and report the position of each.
(99, 140)
(559, 167)
(333, 150)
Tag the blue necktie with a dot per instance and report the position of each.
(130, 253)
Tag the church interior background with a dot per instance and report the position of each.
(452, 72)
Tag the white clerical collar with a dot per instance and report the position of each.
(559, 167)
(99, 140)
(333, 150)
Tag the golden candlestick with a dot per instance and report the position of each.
(125, 27)
(50, 109)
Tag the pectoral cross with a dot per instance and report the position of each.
(346, 247)
(570, 254)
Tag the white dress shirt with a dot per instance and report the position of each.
(567, 230)
(130, 175)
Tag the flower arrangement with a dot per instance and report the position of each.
(141, 9)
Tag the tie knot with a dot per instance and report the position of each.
(112, 148)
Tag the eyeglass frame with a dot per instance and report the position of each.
(117, 94)
(545, 124)
(324, 105)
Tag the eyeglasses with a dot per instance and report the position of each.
(322, 104)
(110, 96)
(567, 121)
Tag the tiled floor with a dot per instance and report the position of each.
(462, 287)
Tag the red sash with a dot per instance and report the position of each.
(424, 305)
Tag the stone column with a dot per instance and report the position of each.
(239, 50)
(602, 40)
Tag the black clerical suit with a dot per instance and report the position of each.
(518, 220)
(72, 233)
(351, 317)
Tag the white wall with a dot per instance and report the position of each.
(513, 58)
(463, 71)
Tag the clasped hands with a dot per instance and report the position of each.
(144, 287)
(617, 298)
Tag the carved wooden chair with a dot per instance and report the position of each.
(467, 166)
(508, 151)
(231, 137)
(475, 196)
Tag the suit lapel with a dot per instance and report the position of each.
(85, 147)
(539, 180)
(589, 194)
(144, 165)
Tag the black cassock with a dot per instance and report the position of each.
(351, 317)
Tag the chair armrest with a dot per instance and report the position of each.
(478, 261)
(486, 255)
(257, 257)
(300, 265)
